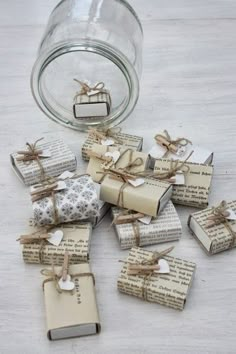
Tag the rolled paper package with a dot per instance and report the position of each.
(77, 201)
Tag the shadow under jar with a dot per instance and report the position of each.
(93, 40)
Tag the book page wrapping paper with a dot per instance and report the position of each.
(196, 190)
(125, 141)
(76, 240)
(166, 227)
(61, 159)
(217, 238)
(166, 289)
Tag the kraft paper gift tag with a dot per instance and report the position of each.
(74, 238)
(169, 286)
(195, 190)
(110, 137)
(215, 237)
(71, 313)
(178, 149)
(148, 230)
(120, 158)
(55, 158)
(70, 200)
(149, 198)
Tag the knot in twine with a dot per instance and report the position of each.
(89, 90)
(132, 218)
(103, 134)
(168, 176)
(33, 154)
(170, 144)
(121, 176)
(218, 216)
(47, 191)
(38, 237)
(53, 276)
(147, 268)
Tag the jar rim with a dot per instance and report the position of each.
(97, 47)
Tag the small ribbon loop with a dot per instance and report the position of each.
(170, 144)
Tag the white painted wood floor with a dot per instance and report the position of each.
(189, 88)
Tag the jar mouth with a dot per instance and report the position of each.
(94, 47)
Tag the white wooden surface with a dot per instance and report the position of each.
(188, 87)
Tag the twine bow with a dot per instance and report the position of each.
(147, 268)
(169, 176)
(169, 144)
(39, 237)
(89, 90)
(33, 154)
(103, 134)
(131, 218)
(218, 216)
(47, 191)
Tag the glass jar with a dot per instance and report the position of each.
(94, 40)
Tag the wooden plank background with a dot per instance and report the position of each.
(189, 87)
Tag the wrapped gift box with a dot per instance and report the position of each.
(166, 227)
(127, 156)
(58, 158)
(160, 150)
(115, 140)
(92, 106)
(77, 200)
(195, 190)
(72, 313)
(149, 198)
(217, 238)
(166, 289)
(75, 240)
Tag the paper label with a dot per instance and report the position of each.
(66, 285)
(55, 237)
(46, 153)
(179, 179)
(136, 182)
(146, 219)
(65, 175)
(232, 215)
(107, 142)
(115, 155)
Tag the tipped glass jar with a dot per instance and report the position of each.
(99, 41)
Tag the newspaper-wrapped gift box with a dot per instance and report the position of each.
(92, 106)
(55, 158)
(169, 289)
(178, 149)
(146, 230)
(120, 158)
(71, 313)
(65, 201)
(115, 140)
(196, 186)
(220, 236)
(149, 198)
(74, 238)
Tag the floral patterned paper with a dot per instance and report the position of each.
(79, 201)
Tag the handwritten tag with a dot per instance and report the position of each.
(232, 215)
(67, 284)
(115, 155)
(107, 142)
(55, 237)
(136, 182)
(46, 153)
(146, 219)
(60, 186)
(164, 267)
(65, 175)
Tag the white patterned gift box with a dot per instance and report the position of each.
(78, 200)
